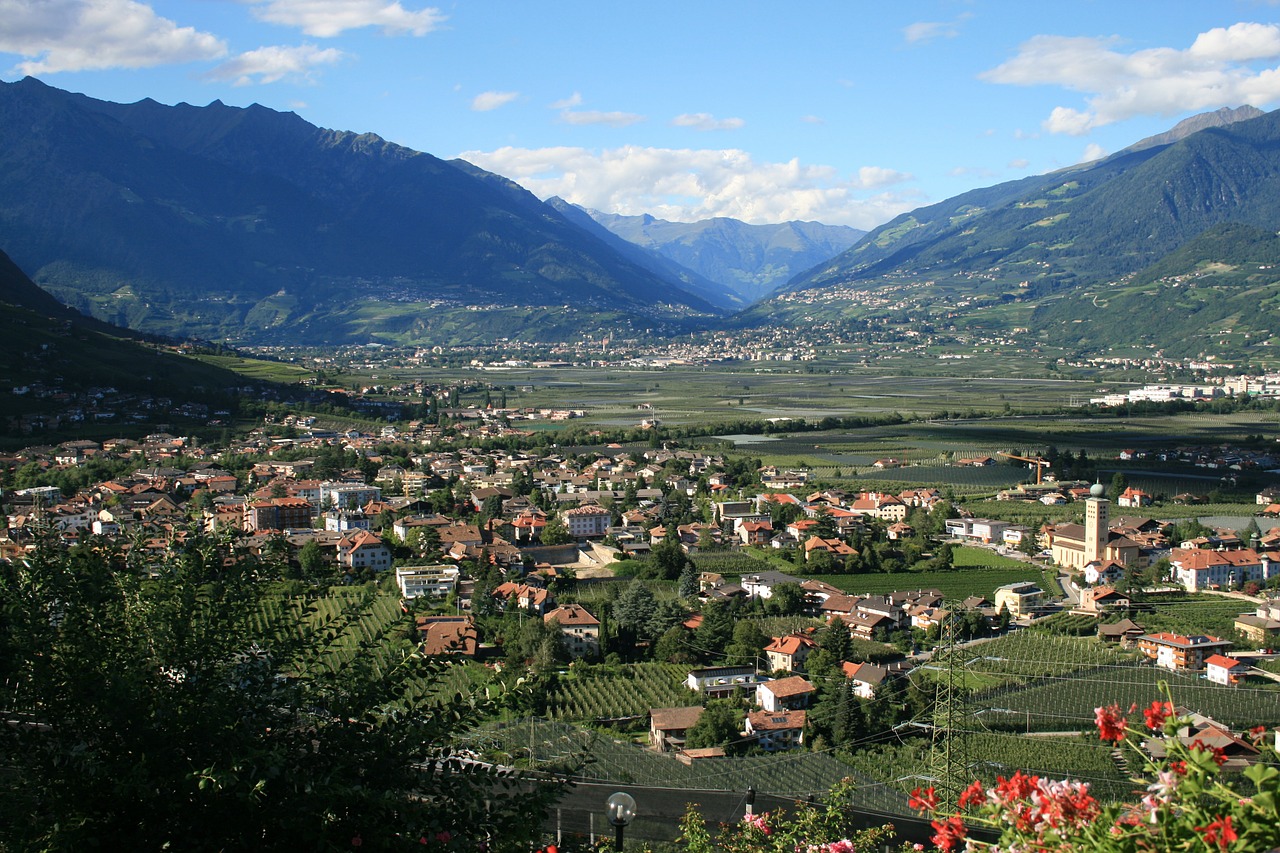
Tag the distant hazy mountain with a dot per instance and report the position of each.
(252, 224)
(749, 260)
(652, 258)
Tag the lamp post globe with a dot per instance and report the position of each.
(620, 809)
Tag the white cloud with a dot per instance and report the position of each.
(1218, 69)
(613, 119)
(1093, 151)
(812, 119)
(573, 100)
(328, 18)
(691, 184)
(79, 35)
(486, 101)
(1019, 163)
(926, 31)
(269, 64)
(706, 121)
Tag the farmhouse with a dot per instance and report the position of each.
(789, 652)
(447, 635)
(775, 730)
(784, 693)
(668, 727)
(581, 630)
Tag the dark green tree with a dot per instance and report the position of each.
(720, 725)
(161, 707)
(555, 532)
(747, 646)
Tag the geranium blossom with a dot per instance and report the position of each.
(1110, 722)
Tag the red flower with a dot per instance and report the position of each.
(1017, 787)
(948, 833)
(1219, 754)
(924, 801)
(1110, 722)
(1219, 833)
(1157, 714)
(974, 795)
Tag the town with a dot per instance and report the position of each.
(706, 608)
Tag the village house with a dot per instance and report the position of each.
(1263, 625)
(363, 549)
(1225, 670)
(447, 635)
(669, 727)
(586, 522)
(785, 694)
(789, 652)
(523, 596)
(581, 630)
(1102, 599)
(777, 730)
(1134, 497)
(865, 678)
(1021, 598)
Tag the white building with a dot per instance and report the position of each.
(435, 581)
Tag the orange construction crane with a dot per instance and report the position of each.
(1040, 464)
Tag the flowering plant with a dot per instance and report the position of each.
(825, 827)
(1186, 803)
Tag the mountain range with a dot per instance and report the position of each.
(251, 225)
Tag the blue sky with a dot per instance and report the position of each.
(839, 112)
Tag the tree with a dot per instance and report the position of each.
(748, 643)
(719, 725)
(555, 532)
(668, 557)
(312, 560)
(688, 587)
(635, 608)
(716, 629)
(1119, 482)
(161, 713)
(788, 599)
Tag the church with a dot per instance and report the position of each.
(1075, 546)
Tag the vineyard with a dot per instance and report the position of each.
(547, 745)
(595, 694)
(1051, 682)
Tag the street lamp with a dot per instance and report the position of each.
(621, 809)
